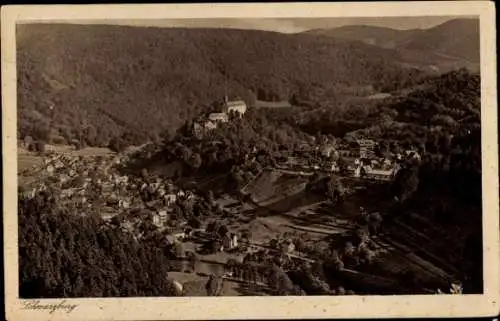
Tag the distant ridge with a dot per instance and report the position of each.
(457, 38)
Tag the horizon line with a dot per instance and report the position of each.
(280, 25)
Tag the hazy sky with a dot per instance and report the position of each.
(287, 25)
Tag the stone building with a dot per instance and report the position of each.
(237, 106)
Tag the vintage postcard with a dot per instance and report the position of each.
(250, 161)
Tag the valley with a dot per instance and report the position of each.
(224, 162)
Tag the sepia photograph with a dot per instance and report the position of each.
(291, 157)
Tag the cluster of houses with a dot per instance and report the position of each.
(94, 182)
(212, 120)
(383, 170)
(71, 176)
(360, 163)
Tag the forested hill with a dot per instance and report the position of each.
(446, 103)
(453, 43)
(110, 80)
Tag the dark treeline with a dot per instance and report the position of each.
(445, 186)
(62, 254)
(447, 117)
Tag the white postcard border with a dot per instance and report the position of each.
(187, 308)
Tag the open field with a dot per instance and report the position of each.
(28, 160)
(272, 104)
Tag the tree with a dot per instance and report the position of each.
(28, 140)
(196, 160)
(193, 260)
(40, 147)
(214, 285)
(280, 281)
(212, 227)
(165, 136)
(336, 261)
(273, 243)
(335, 189)
(231, 265)
(362, 236)
(117, 145)
(210, 197)
(366, 255)
(144, 173)
(194, 222)
(317, 269)
(299, 244)
(405, 183)
(342, 163)
(180, 251)
(375, 220)
(247, 234)
(223, 230)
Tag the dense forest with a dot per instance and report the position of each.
(433, 106)
(65, 254)
(102, 84)
(444, 186)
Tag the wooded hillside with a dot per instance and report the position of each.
(110, 80)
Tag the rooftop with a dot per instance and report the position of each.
(218, 116)
(235, 103)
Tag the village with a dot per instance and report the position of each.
(240, 236)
